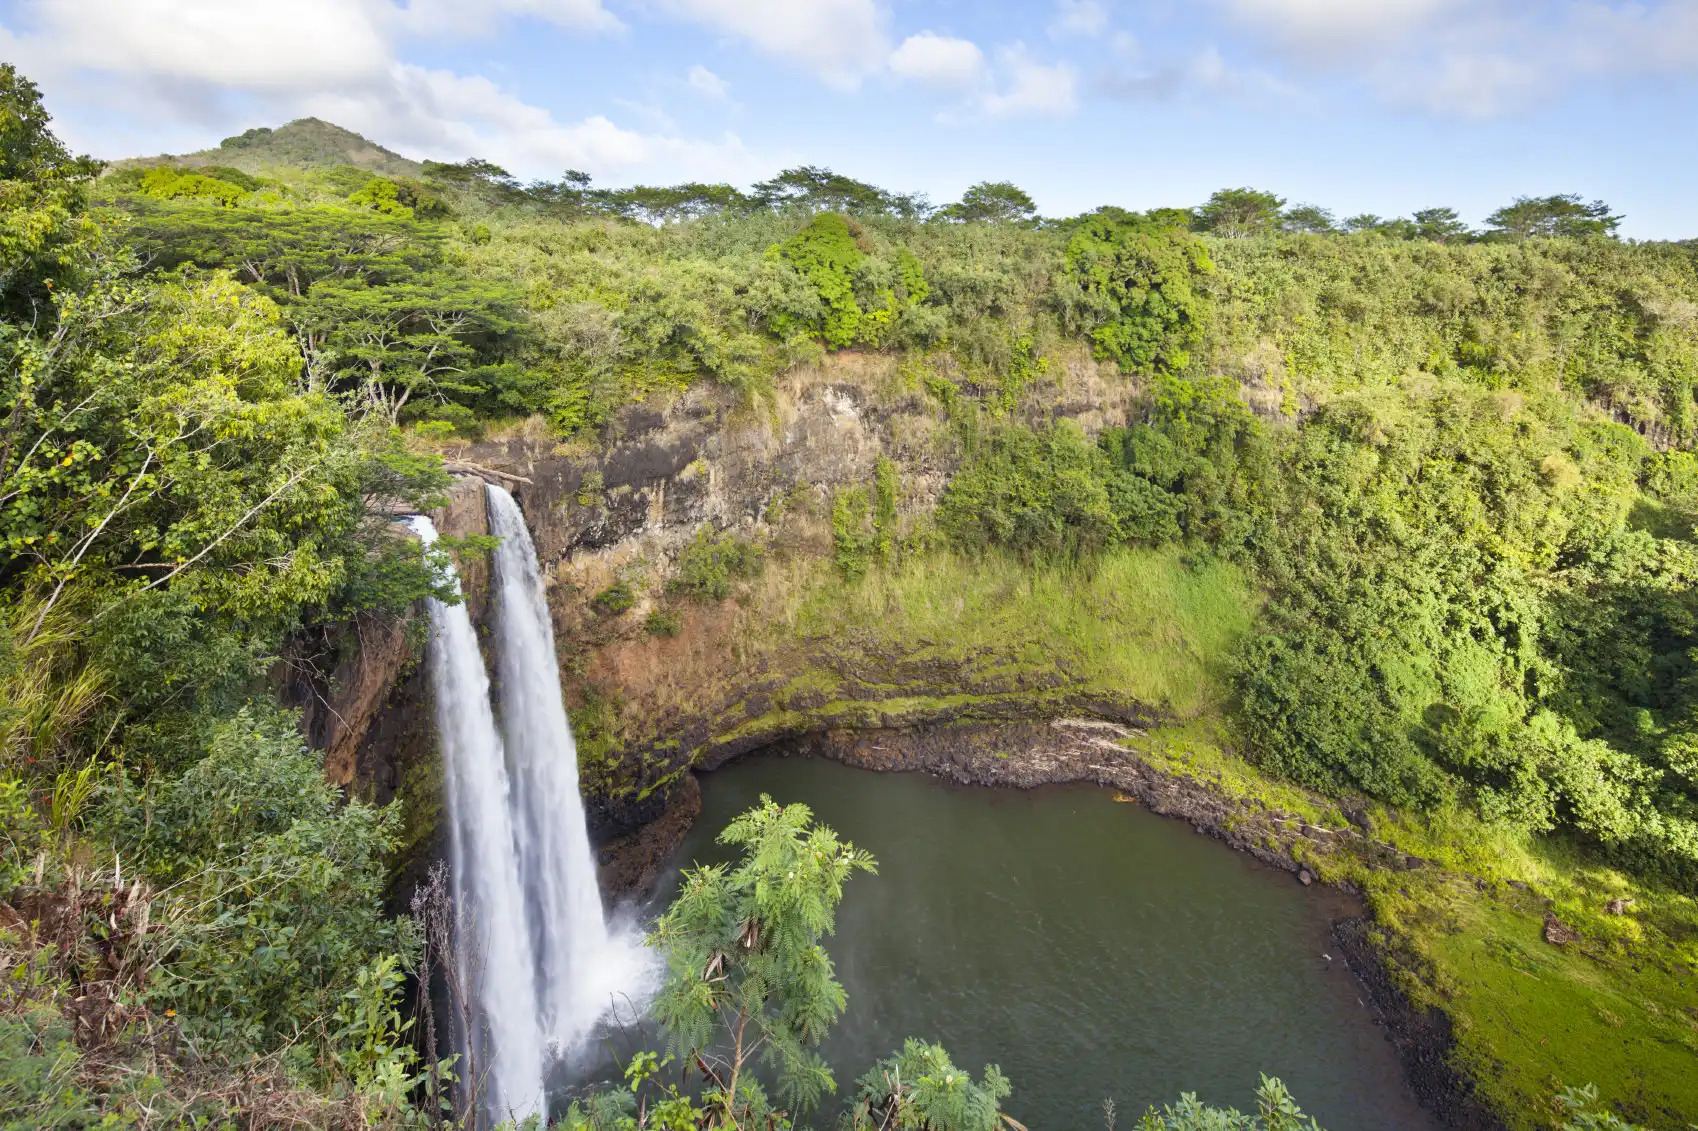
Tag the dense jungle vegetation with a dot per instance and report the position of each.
(1445, 474)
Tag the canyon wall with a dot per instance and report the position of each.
(664, 682)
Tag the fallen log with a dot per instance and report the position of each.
(460, 467)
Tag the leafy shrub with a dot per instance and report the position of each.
(746, 971)
(711, 562)
(1033, 492)
(276, 888)
(851, 540)
(918, 1089)
(170, 184)
(1275, 1111)
(381, 195)
(615, 599)
(825, 254)
(663, 622)
(1133, 286)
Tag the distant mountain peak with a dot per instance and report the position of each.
(305, 143)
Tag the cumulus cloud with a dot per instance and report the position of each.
(462, 17)
(839, 41)
(1203, 73)
(1030, 87)
(444, 114)
(707, 84)
(1471, 58)
(939, 60)
(1079, 17)
(306, 43)
(1337, 24)
(225, 63)
(1015, 85)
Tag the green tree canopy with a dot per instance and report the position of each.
(43, 236)
(1564, 215)
(993, 202)
(663, 205)
(1133, 285)
(1238, 212)
(746, 971)
(1032, 492)
(1440, 225)
(1309, 218)
(817, 189)
(919, 1089)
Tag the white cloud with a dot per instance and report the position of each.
(708, 84)
(1030, 87)
(441, 114)
(460, 17)
(1337, 24)
(939, 60)
(1080, 17)
(227, 63)
(840, 41)
(1471, 85)
(1473, 58)
(308, 42)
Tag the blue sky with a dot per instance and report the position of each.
(1378, 106)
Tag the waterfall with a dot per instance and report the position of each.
(541, 963)
(495, 958)
(578, 967)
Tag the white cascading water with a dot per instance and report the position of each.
(495, 958)
(580, 965)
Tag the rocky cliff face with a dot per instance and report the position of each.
(671, 683)
(651, 700)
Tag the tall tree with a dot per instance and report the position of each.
(42, 192)
(653, 205)
(1132, 284)
(1240, 212)
(993, 202)
(1440, 225)
(1396, 228)
(1564, 215)
(747, 976)
(434, 336)
(1311, 218)
(285, 253)
(818, 189)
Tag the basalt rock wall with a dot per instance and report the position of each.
(671, 682)
(651, 699)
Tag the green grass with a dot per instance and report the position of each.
(1531, 1016)
(1618, 1008)
(1137, 624)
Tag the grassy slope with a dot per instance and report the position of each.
(1136, 624)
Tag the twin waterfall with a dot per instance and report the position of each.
(534, 948)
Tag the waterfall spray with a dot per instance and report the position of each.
(495, 957)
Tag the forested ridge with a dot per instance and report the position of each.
(1444, 476)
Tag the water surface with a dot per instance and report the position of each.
(1088, 947)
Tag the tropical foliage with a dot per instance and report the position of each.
(1455, 464)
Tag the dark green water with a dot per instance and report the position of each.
(1088, 947)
